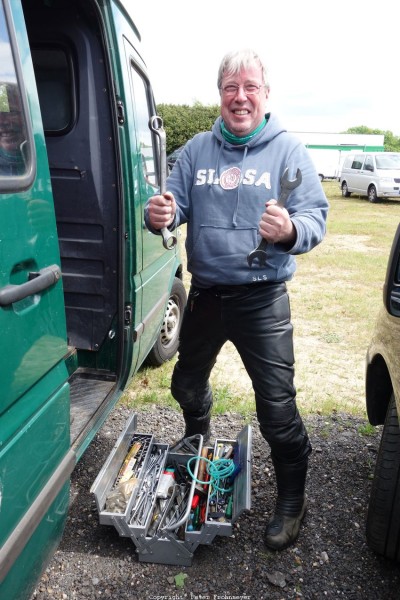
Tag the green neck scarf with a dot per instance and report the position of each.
(234, 139)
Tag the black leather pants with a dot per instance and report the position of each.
(256, 319)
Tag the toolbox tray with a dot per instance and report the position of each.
(162, 529)
(108, 476)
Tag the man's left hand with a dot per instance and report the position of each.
(276, 225)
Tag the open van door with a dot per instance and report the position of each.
(86, 292)
(34, 400)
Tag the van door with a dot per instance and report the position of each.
(155, 264)
(34, 399)
(365, 175)
(356, 178)
(83, 285)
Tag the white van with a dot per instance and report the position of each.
(374, 174)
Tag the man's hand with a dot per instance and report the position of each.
(161, 210)
(275, 225)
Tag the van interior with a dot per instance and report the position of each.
(70, 67)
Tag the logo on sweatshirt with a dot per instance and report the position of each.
(230, 178)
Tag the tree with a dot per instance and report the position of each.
(391, 143)
(182, 122)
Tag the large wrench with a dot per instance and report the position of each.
(156, 126)
(287, 185)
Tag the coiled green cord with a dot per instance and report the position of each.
(218, 469)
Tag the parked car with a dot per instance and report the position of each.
(373, 174)
(173, 157)
(383, 408)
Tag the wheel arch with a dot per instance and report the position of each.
(344, 188)
(179, 272)
(379, 389)
(370, 186)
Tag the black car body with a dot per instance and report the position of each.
(173, 157)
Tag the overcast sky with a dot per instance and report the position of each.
(331, 65)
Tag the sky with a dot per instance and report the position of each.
(331, 65)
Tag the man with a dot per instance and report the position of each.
(12, 131)
(224, 181)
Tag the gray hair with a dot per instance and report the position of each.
(235, 61)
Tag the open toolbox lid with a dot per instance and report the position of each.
(242, 487)
(106, 476)
(130, 442)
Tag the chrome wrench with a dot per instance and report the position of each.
(287, 185)
(156, 126)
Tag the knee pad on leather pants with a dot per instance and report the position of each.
(195, 399)
(282, 427)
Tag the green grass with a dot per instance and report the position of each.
(335, 297)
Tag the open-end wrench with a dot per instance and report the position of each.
(156, 126)
(287, 185)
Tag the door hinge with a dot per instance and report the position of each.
(120, 112)
(128, 314)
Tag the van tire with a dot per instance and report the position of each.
(383, 520)
(167, 342)
(345, 191)
(372, 194)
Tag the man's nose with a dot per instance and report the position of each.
(240, 94)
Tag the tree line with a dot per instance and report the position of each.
(182, 122)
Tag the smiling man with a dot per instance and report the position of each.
(225, 186)
(12, 131)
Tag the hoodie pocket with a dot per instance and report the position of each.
(220, 248)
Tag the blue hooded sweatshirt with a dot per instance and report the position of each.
(221, 190)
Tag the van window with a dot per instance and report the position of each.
(54, 79)
(369, 164)
(145, 143)
(13, 129)
(388, 161)
(357, 161)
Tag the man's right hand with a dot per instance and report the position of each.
(161, 210)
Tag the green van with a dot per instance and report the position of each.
(87, 294)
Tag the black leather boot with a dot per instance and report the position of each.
(283, 528)
(195, 425)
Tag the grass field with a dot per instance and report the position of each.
(335, 296)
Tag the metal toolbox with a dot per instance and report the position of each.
(178, 496)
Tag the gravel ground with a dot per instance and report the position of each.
(330, 559)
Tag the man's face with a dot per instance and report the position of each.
(11, 131)
(242, 114)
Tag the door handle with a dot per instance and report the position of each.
(37, 282)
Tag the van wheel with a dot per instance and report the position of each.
(372, 195)
(383, 524)
(167, 342)
(345, 191)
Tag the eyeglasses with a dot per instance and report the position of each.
(250, 89)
